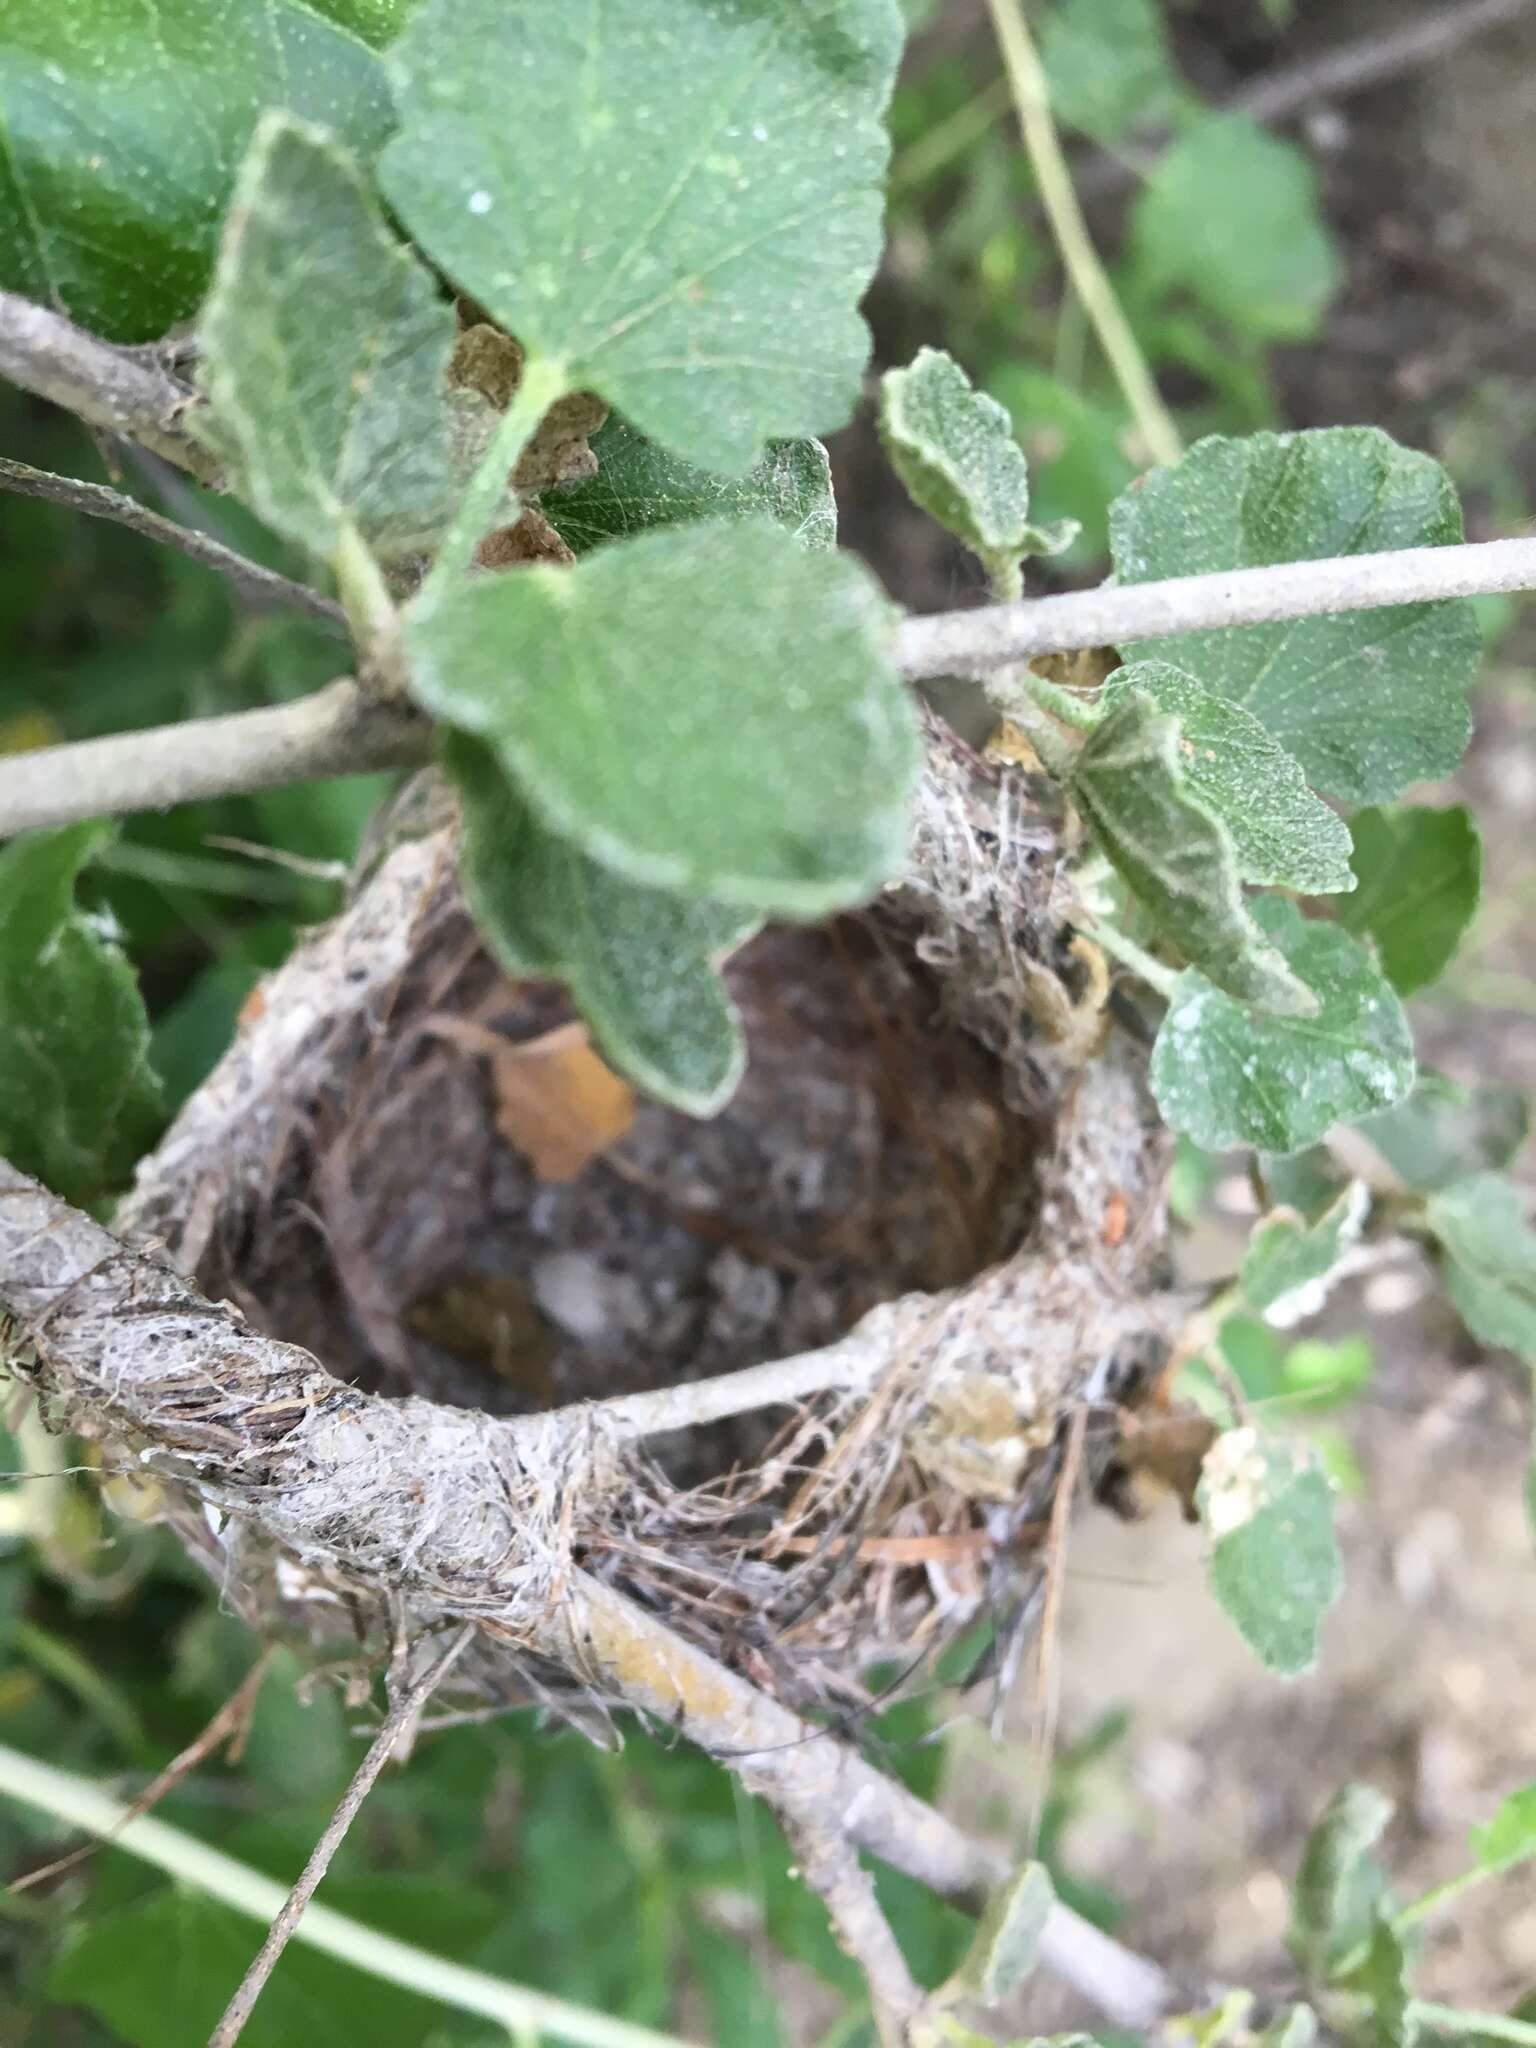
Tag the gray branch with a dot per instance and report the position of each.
(95, 500)
(119, 390)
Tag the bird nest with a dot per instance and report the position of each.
(419, 1314)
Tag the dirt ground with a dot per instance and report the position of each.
(1427, 1685)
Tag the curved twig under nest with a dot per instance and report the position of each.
(934, 1208)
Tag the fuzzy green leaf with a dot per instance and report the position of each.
(1173, 851)
(1231, 1076)
(640, 963)
(1109, 67)
(1007, 1942)
(122, 127)
(711, 710)
(678, 200)
(78, 1101)
(1280, 831)
(1420, 874)
(1230, 214)
(1339, 1883)
(1366, 701)
(1490, 1260)
(1288, 1257)
(953, 448)
(639, 486)
(324, 347)
(1272, 1556)
(1443, 1131)
(1510, 1837)
(1383, 1980)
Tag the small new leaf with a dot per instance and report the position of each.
(953, 448)
(711, 710)
(640, 964)
(1288, 1260)
(1383, 1980)
(1174, 853)
(1490, 1259)
(1229, 1075)
(78, 1100)
(1007, 1941)
(1281, 832)
(1109, 67)
(1339, 1883)
(1420, 874)
(639, 486)
(324, 348)
(677, 200)
(1272, 1556)
(1366, 701)
(1445, 1131)
(1510, 1837)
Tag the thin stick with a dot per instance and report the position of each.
(82, 1804)
(1090, 280)
(830, 1866)
(99, 503)
(229, 1720)
(111, 388)
(1047, 1701)
(340, 732)
(399, 1718)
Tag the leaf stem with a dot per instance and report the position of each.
(1090, 280)
(1129, 954)
(1014, 696)
(543, 381)
(81, 1804)
(1475, 2026)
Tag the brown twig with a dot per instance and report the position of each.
(399, 1719)
(120, 390)
(831, 1867)
(229, 1722)
(97, 502)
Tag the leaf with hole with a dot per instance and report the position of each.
(953, 448)
(1445, 1131)
(1230, 214)
(640, 964)
(78, 1100)
(324, 348)
(1366, 701)
(1489, 1259)
(765, 755)
(639, 486)
(1271, 1553)
(1281, 833)
(1288, 1260)
(1230, 1075)
(1420, 873)
(679, 201)
(1339, 1883)
(1173, 852)
(123, 128)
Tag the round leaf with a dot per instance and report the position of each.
(1420, 873)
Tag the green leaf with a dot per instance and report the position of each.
(953, 448)
(161, 1970)
(711, 710)
(1230, 1076)
(640, 963)
(1280, 831)
(78, 1101)
(1287, 1257)
(1272, 1556)
(1230, 213)
(1383, 1980)
(677, 200)
(1339, 1883)
(1294, 2029)
(324, 346)
(639, 485)
(1076, 445)
(1007, 1942)
(1173, 852)
(1510, 1837)
(1490, 1259)
(1420, 874)
(1367, 701)
(1443, 1131)
(1108, 67)
(121, 129)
